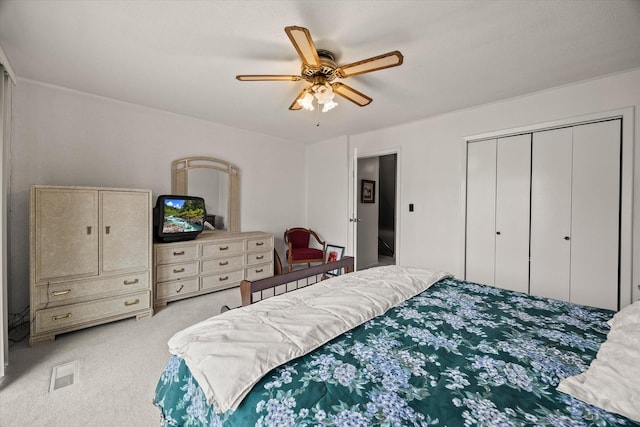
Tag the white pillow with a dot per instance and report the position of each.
(612, 381)
(628, 315)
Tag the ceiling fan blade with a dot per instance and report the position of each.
(303, 43)
(267, 77)
(295, 105)
(380, 62)
(351, 94)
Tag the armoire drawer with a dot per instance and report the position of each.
(165, 273)
(222, 248)
(259, 257)
(259, 271)
(83, 290)
(52, 319)
(172, 254)
(222, 281)
(176, 288)
(220, 264)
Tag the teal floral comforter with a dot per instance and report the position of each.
(459, 354)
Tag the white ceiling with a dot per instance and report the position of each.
(182, 56)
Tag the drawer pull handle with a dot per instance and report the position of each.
(62, 316)
(179, 289)
(60, 293)
(223, 263)
(134, 302)
(259, 270)
(224, 248)
(89, 230)
(222, 279)
(131, 282)
(176, 253)
(178, 270)
(260, 257)
(259, 243)
(107, 229)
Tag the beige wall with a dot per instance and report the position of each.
(64, 137)
(430, 163)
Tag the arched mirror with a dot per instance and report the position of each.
(217, 182)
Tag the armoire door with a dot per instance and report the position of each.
(125, 231)
(66, 228)
(498, 187)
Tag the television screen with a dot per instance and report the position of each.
(179, 217)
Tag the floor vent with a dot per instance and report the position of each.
(63, 376)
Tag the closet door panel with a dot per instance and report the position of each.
(513, 184)
(551, 213)
(481, 196)
(595, 214)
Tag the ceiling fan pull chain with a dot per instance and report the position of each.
(318, 123)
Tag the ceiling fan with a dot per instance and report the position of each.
(320, 69)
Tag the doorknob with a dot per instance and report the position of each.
(355, 219)
(567, 238)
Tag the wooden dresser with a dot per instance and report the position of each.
(212, 262)
(90, 256)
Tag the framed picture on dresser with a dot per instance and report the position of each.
(334, 253)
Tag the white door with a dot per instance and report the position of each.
(595, 214)
(551, 213)
(481, 211)
(575, 214)
(353, 207)
(513, 183)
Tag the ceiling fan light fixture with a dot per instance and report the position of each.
(329, 105)
(306, 101)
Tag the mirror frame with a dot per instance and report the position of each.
(180, 182)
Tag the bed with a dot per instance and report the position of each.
(455, 353)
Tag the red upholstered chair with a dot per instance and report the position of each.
(299, 250)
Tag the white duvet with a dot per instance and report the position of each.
(612, 381)
(229, 353)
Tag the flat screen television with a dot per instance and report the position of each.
(178, 218)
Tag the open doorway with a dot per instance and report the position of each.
(376, 212)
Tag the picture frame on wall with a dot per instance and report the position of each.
(334, 253)
(367, 191)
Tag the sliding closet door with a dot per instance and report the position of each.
(512, 213)
(595, 214)
(551, 213)
(481, 211)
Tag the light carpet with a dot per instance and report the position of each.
(119, 366)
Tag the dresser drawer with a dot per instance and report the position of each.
(222, 281)
(259, 271)
(259, 257)
(259, 244)
(165, 273)
(221, 264)
(171, 254)
(83, 290)
(176, 288)
(222, 249)
(52, 319)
